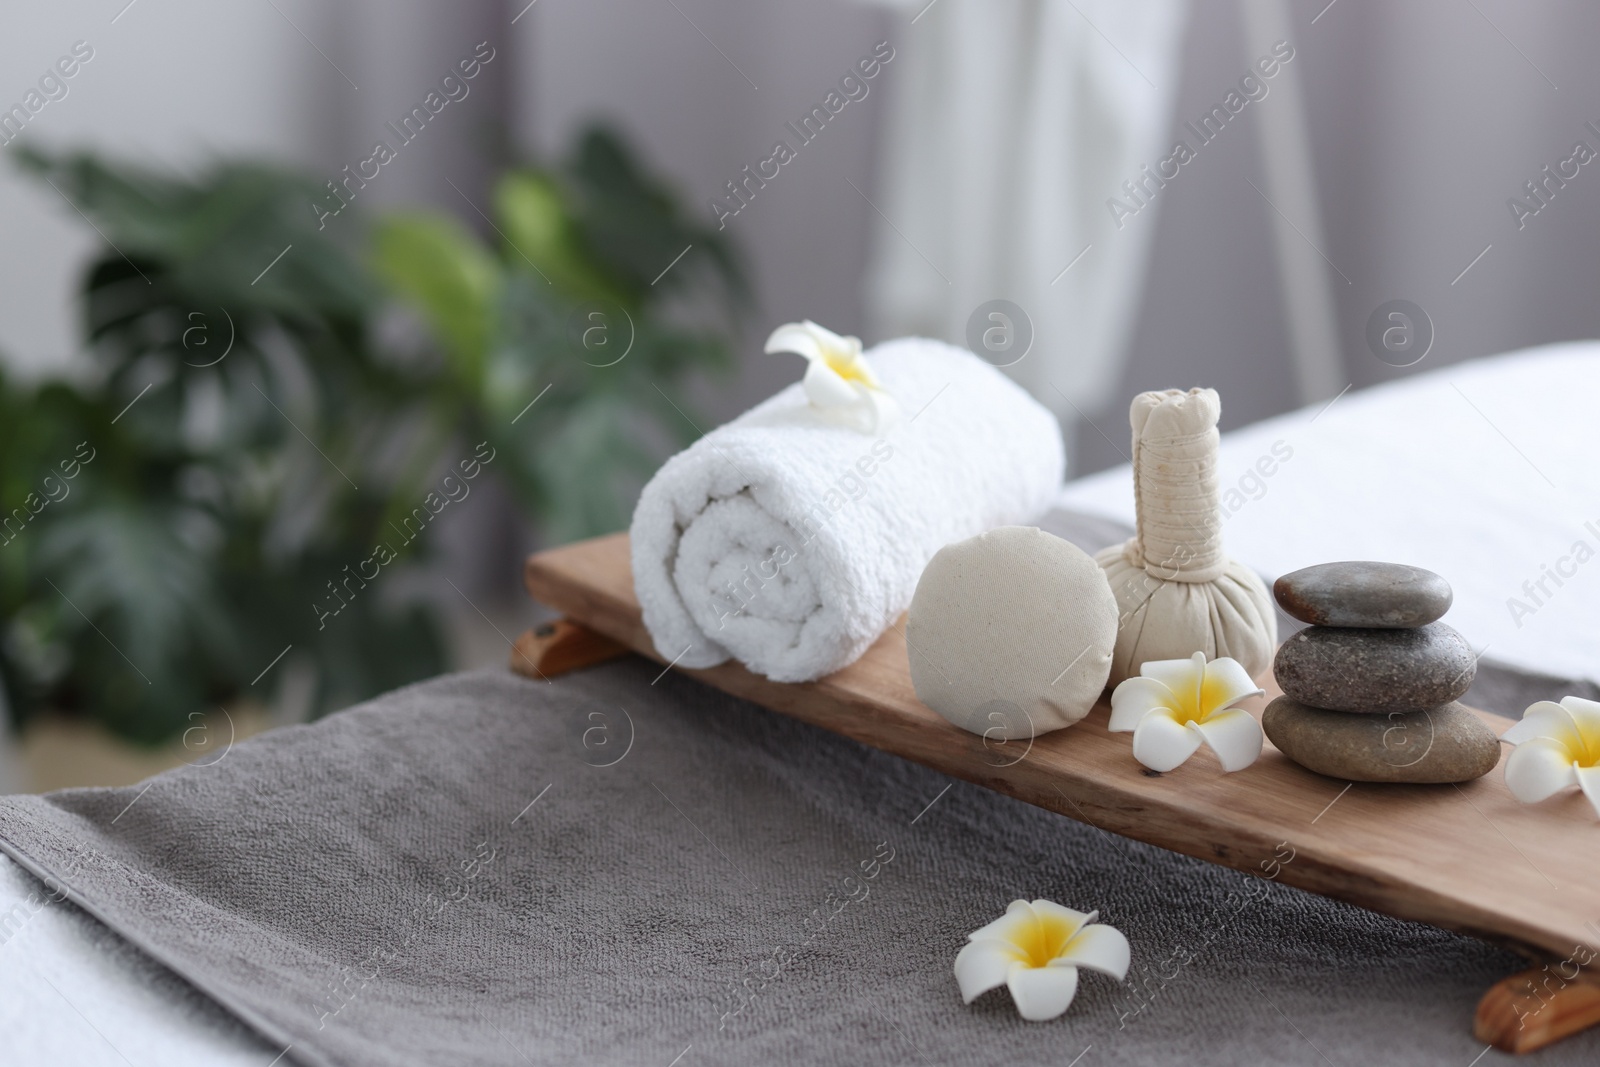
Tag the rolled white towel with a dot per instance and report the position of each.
(790, 541)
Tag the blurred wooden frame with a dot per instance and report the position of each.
(1537, 1007)
(561, 646)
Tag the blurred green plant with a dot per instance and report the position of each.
(243, 436)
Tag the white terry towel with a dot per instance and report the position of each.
(790, 542)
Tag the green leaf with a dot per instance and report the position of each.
(445, 272)
(537, 225)
(632, 225)
(244, 391)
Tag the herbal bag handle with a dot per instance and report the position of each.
(1177, 591)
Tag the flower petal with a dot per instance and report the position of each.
(1586, 717)
(982, 966)
(1589, 782)
(1074, 920)
(1161, 744)
(1199, 661)
(1179, 675)
(1019, 913)
(1544, 719)
(1042, 993)
(1235, 736)
(884, 410)
(1100, 948)
(1539, 768)
(1133, 697)
(852, 365)
(826, 389)
(808, 339)
(1227, 683)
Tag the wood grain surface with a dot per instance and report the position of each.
(1469, 858)
(561, 646)
(1537, 1007)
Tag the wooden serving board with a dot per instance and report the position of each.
(1469, 858)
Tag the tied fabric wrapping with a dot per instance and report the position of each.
(790, 542)
(1177, 591)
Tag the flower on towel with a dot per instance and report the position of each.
(1175, 704)
(1558, 745)
(1035, 950)
(839, 378)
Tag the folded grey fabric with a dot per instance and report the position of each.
(621, 868)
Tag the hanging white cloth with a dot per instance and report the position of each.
(1011, 125)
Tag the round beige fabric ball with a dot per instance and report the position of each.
(1011, 633)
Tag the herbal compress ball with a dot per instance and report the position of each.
(1011, 632)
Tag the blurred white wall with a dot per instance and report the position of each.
(176, 82)
(1423, 119)
(171, 83)
(704, 88)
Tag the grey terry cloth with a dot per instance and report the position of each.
(621, 867)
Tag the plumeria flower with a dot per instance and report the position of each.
(1035, 950)
(1175, 704)
(839, 378)
(1558, 745)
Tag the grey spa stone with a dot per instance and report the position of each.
(1357, 593)
(1443, 744)
(1375, 671)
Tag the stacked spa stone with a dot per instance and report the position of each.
(1370, 686)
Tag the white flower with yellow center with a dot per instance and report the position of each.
(839, 380)
(1176, 704)
(1035, 950)
(1558, 745)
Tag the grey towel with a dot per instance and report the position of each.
(615, 869)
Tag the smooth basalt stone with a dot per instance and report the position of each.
(1378, 671)
(1443, 744)
(1389, 596)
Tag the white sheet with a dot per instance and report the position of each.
(72, 992)
(1487, 472)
